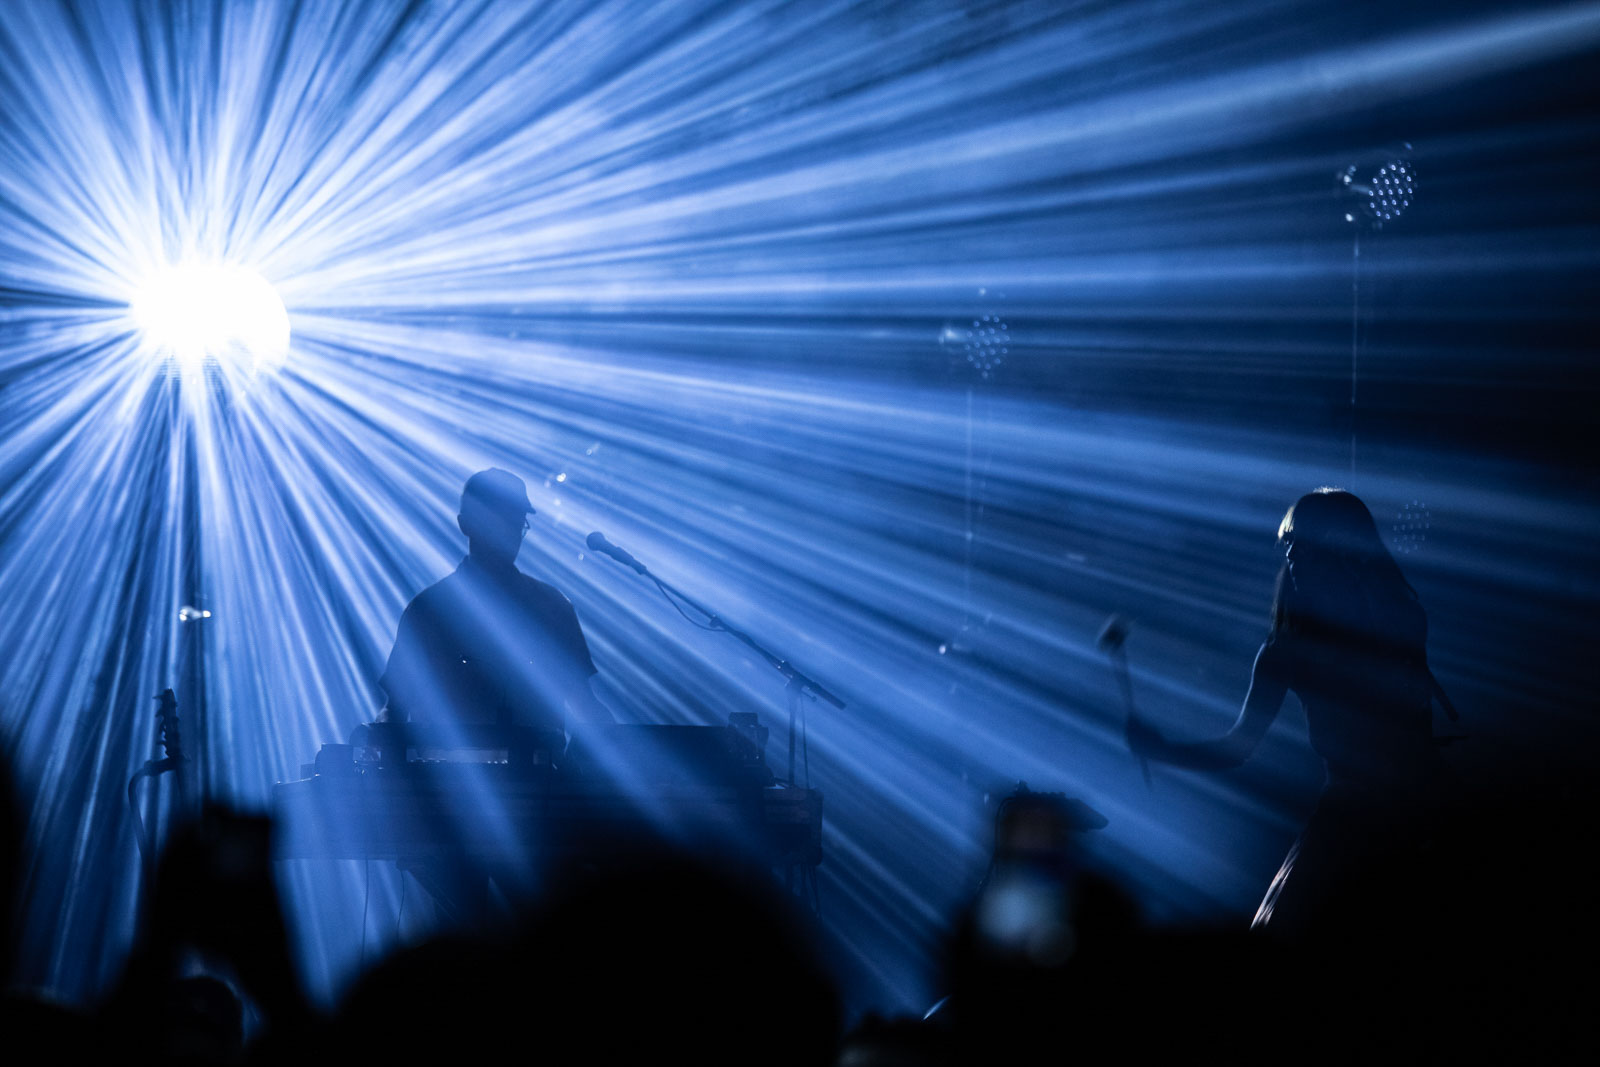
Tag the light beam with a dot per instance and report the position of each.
(682, 267)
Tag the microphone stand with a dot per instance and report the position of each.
(800, 684)
(1119, 662)
(1113, 636)
(167, 716)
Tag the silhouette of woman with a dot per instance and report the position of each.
(1349, 637)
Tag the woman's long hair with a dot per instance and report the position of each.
(1349, 580)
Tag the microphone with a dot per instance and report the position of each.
(597, 543)
(1114, 633)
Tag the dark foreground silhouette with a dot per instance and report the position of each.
(1480, 949)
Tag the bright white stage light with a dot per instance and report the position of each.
(197, 312)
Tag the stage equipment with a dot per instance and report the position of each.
(616, 792)
(173, 761)
(1372, 193)
(974, 353)
(799, 685)
(985, 344)
(1410, 528)
(1377, 194)
(197, 313)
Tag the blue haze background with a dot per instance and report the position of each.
(704, 274)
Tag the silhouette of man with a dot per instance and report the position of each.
(489, 644)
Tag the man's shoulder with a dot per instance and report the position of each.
(444, 597)
(438, 590)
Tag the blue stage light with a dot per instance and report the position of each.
(1376, 194)
(988, 343)
(1409, 531)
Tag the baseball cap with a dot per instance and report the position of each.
(497, 491)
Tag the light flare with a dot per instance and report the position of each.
(201, 311)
